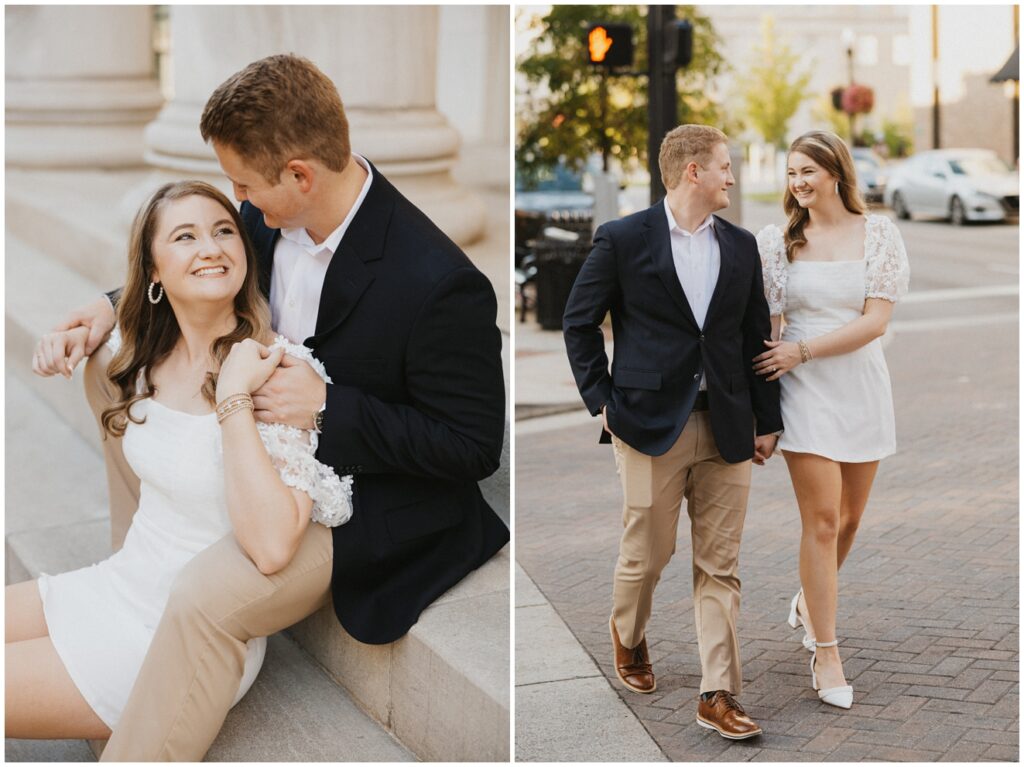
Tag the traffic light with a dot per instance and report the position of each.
(679, 43)
(610, 45)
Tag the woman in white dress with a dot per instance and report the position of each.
(834, 275)
(194, 343)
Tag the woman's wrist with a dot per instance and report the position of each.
(232, 404)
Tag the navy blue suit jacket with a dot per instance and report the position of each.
(660, 352)
(406, 329)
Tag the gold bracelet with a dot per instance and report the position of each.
(805, 352)
(233, 404)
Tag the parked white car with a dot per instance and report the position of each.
(960, 185)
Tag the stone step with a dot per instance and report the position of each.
(75, 218)
(40, 292)
(294, 712)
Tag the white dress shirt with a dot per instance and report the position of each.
(300, 266)
(698, 260)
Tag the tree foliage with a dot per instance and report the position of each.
(559, 117)
(771, 88)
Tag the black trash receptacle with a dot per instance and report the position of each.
(558, 264)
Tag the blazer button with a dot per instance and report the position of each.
(702, 338)
(696, 377)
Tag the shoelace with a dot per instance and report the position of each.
(640, 663)
(730, 702)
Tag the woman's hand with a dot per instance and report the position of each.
(60, 352)
(247, 367)
(781, 357)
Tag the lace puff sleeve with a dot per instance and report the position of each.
(293, 453)
(888, 270)
(773, 267)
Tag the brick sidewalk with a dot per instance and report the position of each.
(928, 598)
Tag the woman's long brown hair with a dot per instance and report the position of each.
(150, 331)
(832, 154)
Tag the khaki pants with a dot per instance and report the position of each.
(218, 602)
(716, 500)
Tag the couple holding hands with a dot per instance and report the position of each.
(297, 401)
(727, 347)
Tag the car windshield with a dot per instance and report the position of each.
(977, 166)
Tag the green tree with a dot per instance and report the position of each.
(559, 115)
(772, 90)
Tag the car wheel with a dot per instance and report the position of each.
(957, 214)
(899, 206)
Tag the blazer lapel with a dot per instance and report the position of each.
(656, 236)
(727, 256)
(348, 275)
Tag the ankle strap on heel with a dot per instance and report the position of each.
(833, 643)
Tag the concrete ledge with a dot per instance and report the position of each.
(443, 689)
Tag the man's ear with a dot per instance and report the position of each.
(691, 171)
(302, 173)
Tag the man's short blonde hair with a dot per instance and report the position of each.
(683, 145)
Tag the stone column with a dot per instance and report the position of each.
(80, 85)
(383, 60)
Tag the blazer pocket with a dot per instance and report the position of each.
(738, 382)
(628, 378)
(421, 518)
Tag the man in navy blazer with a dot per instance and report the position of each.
(681, 403)
(405, 326)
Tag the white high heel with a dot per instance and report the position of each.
(840, 697)
(796, 619)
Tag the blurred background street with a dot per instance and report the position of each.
(927, 98)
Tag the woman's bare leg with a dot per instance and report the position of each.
(818, 484)
(23, 612)
(40, 699)
(857, 481)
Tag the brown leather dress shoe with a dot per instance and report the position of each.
(725, 716)
(633, 666)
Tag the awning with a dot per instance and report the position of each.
(1010, 70)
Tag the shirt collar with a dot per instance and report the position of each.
(674, 227)
(301, 237)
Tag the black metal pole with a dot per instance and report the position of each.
(605, 143)
(661, 91)
(936, 127)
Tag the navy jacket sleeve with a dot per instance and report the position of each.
(595, 291)
(452, 425)
(757, 329)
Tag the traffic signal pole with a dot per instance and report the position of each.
(662, 108)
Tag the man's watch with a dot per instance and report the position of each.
(318, 419)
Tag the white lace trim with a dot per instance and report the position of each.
(772, 247)
(887, 271)
(293, 451)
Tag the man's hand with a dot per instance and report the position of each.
(604, 420)
(293, 395)
(98, 317)
(58, 353)
(764, 446)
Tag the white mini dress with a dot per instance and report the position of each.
(838, 407)
(102, 618)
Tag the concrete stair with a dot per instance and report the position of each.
(442, 691)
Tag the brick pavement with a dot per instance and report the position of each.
(928, 609)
